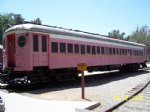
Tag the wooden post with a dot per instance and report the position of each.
(82, 84)
(82, 67)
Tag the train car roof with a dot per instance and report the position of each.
(69, 32)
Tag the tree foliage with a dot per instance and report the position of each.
(37, 21)
(141, 35)
(9, 19)
(18, 19)
(116, 34)
(6, 21)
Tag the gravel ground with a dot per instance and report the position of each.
(98, 88)
(140, 103)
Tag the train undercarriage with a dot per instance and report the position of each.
(43, 74)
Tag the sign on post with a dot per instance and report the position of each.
(82, 67)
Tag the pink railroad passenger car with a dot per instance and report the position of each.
(37, 53)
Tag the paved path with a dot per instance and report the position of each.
(18, 103)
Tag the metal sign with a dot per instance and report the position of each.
(82, 67)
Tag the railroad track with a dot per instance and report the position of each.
(136, 100)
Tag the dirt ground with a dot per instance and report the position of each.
(98, 87)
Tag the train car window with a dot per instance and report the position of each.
(62, 47)
(70, 48)
(120, 51)
(106, 50)
(21, 41)
(128, 51)
(142, 53)
(139, 53)
(54, 47)
(114, 51)
(88, 48)
(35, 43)
(117, 51)
(82, 49)
(132, 52)
(44, 44)
(98, 50)
(76, 48)
(125, 51)
(102, 50)
(93, 50)
(110, 51)
(135, 53)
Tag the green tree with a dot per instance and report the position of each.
(6, 21)
(116, 34)
(18, 19)
(9, 19)
(141, 35)
(37, 21)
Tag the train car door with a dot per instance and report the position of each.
(43, 50)
(40, 50)
(10, 50)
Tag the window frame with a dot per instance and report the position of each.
(44, 45)
(82, 49)
(102, 50)
(93, 50)
(98, 50)
(76, 48)
(69, 48)
(62, 47)
(88, 49)
(56, 48)
(35, 42)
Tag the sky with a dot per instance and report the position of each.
(96, 16)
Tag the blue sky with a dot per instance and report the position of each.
(97, 16)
